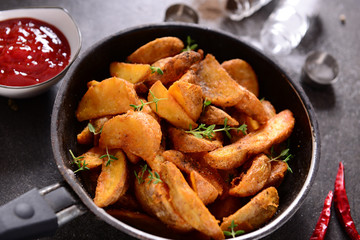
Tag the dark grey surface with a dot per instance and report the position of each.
(26, 159)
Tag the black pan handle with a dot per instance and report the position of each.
(38, 213)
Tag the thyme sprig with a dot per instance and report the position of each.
(284, 156)
(82, 165)
(191, 45)
(233, 233)
(92, 129)
(141, 106)
(205, 104)
(208, 132)
(110, 158)
(156, 70)
(153, 177)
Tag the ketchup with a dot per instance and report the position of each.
(31, 52)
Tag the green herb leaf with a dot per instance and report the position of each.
(141, 106)
(93, 130)
(233, 233)
(110, 158)
(156, 70)
(191, 45)
(154, 177)
(140, 177)
(82, 165)
(284, 156)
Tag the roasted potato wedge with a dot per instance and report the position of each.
(112, 182)
(188, 143)
(214, 115)
(225, 207)
(189, 96)
(186, 202)
(135, 132)
(254, 214)
(92, 157)
(168, 108)
(173, 67)
(156, 49)
(109, 97)
(188, 164)
(278, 171)
(276, 130)
(205, 190)
(254, 179)
(216, 84)
(131, 72)
(87, 137)
(243, 74)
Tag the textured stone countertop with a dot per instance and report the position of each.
(26, 159)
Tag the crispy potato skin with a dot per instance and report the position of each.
(156, 49)
(173, 67)
(256, 213)
(110, 97)
(187, 142)
(243, 74)
(134, 73)
(155, 200)
(185, 200)
(188, 164)
(92, 157)
(168, 108)
(278, 171)
(276, 130)
(136, 132)
(205, 190)
(112, 182)
(189, 96)
(254, 179)
(214, 115)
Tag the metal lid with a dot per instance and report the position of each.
(320, 69)
(181, 13)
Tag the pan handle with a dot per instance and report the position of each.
(38, 213)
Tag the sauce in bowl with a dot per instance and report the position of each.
(31, 52)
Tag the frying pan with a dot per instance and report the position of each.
(38, 213)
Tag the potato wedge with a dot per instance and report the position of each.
(86, 137)
(92, 157)
(254, 179)
(132, 157)
(214, 115)
(188, 164)
(155, 200)
(189, 96)
(131, 72)
(173, 67)
(135, 132)
(156, 49)
(276, 130)
(188, 143)
(243, 74)
(278, 171)
(109, 97)
(254, 214)
(168, 108)
(185, 201)
(205, 190)
(112, 182)
(225, 207)
(216, 84)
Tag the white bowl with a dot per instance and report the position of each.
(57, 17)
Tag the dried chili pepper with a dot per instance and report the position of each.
(322, 224)
(342, 206)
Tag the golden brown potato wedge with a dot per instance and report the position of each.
(276, 130)
(155, 200)
(243, 74)
(92, 83)
(87, 137)
(189, 96)
(269, 108)
(188, 143)
(132, 157)
(205, 190)
(156, 49)
(216, 84)
(132, 72)
(254, 214)
(109, 97)
(173, 68)
(188, 164)
(278, 171)
(112, 182)
(168, 108)
(186, 202)
(92, 157)
(135, 132)
(225, 207)
(254, 179)
(214, 115)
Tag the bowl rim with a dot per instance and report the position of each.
(76, 53)
(261, 232)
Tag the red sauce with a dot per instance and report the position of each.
(31, 52)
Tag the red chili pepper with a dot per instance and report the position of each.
(342, 206)
(322, 224)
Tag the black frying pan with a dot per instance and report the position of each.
(275, 86)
